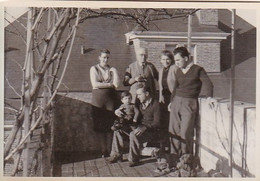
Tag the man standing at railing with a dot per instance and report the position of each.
(187, 83)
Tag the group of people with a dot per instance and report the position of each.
(145, 116)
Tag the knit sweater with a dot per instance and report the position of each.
(151, 115)
(189, 85)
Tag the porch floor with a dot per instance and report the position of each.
(100, 168)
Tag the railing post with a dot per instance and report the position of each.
(189, 32)
(232, 81)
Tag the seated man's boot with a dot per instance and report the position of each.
(133, 164)
(115, 158)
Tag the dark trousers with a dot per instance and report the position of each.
(103, 106)
(165, 116)
(181, 125)
(135, 142)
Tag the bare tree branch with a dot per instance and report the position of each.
(56, 13)
(18, 155)
(12, 109)
(9, 105)
(19, 33)
(19, 146)
(35, 90)
(19, 65)
(37, 21)
(67, 59)
(56, 26)
(12, 87)
(15, 19)
(54, 74)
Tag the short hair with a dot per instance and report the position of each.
(182, 51)
(144, 87)
(125, 94)
(104, 51)
(168, 54)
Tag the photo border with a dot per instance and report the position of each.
(127, 4)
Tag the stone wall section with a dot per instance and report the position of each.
(214, 141)
(73, 125)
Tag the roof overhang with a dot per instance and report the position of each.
(175, 36)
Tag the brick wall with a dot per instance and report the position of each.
(9, 165)
(154, 50)
(96, 34)
(208, 16)
(208, 56)
(34, 159)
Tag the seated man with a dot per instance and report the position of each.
(147, 129)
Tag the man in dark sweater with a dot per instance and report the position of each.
(189, 78)
(147, 129)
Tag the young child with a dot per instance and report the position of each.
(129, 112)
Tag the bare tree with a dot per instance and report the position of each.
(46, 44)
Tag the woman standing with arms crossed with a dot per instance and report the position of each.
(104, 80)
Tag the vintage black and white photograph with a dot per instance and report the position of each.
(129, 92)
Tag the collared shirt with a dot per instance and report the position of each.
(142, 65)
(147, 103)
(187, 68)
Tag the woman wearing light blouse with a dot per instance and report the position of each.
(104, 80)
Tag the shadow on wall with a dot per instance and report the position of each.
(74, 129)
(245, 61)
(214, 138)
(222, 164)
(245, 47)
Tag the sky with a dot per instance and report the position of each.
(12, 13)
(247, 14)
